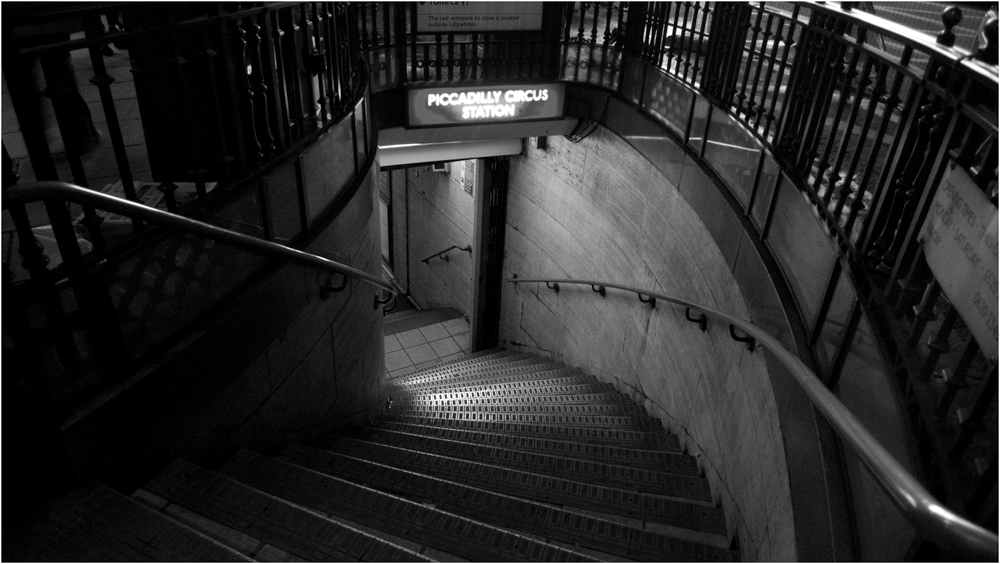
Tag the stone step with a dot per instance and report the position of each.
(628, 540)
(669, 459)
(479, 372)
(554, 381)
(471, 359)
(392, 513)
(247, 520)
(96, 523)
(466, 399)
(574, 414)
(501, 477)
(523, 426)
(688, 486)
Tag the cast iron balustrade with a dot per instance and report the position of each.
(811, 114)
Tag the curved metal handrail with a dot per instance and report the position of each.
(36, 191)
(467, 248)
(928, 516)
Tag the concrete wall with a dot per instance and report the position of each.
(440, 215)
(276, 364)
(599, 210)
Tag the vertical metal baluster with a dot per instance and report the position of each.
(463, 57)
(824, 162)
(365, 45)
(755, 108)
(899, 151)
(923, 312)
(310, 83)
(387, 19)
(943, 124)
(278, 108)
(427, 62)
(259, 88)
(742, 106)
(831, 66)
(316, 64)
(32, 253)
(474, 71)
(233, 90)
(957, 380)
(437, 57)
(583, 14)
(335, 44)
(451, 57)
(684, 42)
(413, 41)
(696, 78)
(878, 88)
(770, 131)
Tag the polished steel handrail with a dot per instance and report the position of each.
(928, 516)
(467, 248)
(23, 194)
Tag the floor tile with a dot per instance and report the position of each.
(452, 357)
(411, 338)
(445, 347)
(463, 341)
(396, 360)
(421, 353)
(456, 326)
(434, 332)
(392, 344)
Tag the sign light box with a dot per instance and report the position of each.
(466, 105)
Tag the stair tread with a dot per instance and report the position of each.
(677, 484)
(491, 474)
(462, 536)
(502, 509)
(96, 523)
(266, 519)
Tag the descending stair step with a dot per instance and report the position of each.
(393, 514)
(463, 399)
(509, 511)
(267, 519)
(541, 487)
(623, 415)
(561, 381)
(99, 524)
(477, 371)
(624, 476)
(616, 454)
(525, 426)
(507, 372)
(471, 359)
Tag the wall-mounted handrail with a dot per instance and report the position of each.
(928, 516)
(23, 194)
(467, 248)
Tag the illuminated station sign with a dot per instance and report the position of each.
(484, 104)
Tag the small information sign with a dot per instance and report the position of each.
(477, 17)
(960, 243)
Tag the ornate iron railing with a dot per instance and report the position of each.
(821, 120)
(225, 104)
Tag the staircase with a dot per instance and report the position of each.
(494, 456)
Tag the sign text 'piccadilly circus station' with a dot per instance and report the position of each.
(478, 104)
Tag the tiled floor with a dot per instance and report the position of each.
(426, 346)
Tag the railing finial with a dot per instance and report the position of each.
(950, 17)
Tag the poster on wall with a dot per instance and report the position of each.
(959, 238)
(477, 17)
(465, 105)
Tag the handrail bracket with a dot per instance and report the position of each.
(701, 320)
(599, 288)
(328, 288)
(650, 300)
(750, 341)
(552, 286)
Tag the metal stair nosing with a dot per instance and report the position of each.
(522, 370)
(471, 359)
(458, 366)
(625, 410)
(640, 457)
(612, 436)
(640, 479)
(594, 492)
(557, 381)
(462, 536)
(236, 514)
(510, 511)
